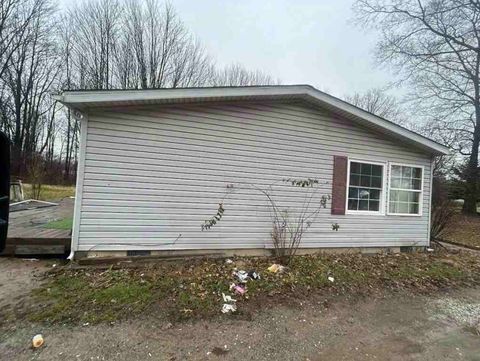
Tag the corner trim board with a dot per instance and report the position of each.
(79, 184)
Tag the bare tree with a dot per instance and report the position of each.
(27, 81)
(237, 75)
(379, 103)
(165, 53)
(69, 127)
(435, 47)
(15, 18)
(97, 27)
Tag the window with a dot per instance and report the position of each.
(365, 187)
(405, 190)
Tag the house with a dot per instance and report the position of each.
(154, 165)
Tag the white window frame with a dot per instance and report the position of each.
(420, 203)
(381, 208)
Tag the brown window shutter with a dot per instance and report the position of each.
(339, 184)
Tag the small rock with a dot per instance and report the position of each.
(218, 351)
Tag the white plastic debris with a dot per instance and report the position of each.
(430, 249)
(331, 279)
(254, 275)
(37, 341)
(242, 276)
(229, 308)
(228, 261)
(228, 298)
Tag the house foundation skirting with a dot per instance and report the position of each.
(256, 252)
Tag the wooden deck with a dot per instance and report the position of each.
(27, 233)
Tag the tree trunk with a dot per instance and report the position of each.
(471, 188)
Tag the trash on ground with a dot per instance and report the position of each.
(276, 268)
(228, 298)
(37, 341)
(238, 289)
(331, 279)
(31, 259)
(229, 308)
(228, 261)
(253, 275)
(242, 276)
(430, 250)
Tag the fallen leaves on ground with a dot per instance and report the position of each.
(193, 288)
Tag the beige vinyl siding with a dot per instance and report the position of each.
(153, 175)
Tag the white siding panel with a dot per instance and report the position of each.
(154, 174)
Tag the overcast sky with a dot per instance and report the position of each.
(297, 41)
(301, 41)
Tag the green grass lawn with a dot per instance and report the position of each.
(50, 192)
(65, 223)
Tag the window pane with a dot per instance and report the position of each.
(417, 172)
(405, 184)
(414, 197)
(374, 206)
(365, 181)
(352, 204)
(354, 167)
(352, 192)
(363, 193)
(376, 182)
(406, 172)
(377, 170)
(366, 168)
(416, 184)
(363, 205)
(394, 196)
(393, 207)
(413, 208)
(403, 196)
(396, 171)
(402, 208)
(375, 194)
(354, 180)
(396, 182)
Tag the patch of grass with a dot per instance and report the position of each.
(50, 192)
(192, 289)
(105, 297)
(66, 224)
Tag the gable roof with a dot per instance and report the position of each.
(88, 99)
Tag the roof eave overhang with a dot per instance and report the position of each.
(83, 100)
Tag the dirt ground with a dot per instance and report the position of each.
(18, 277)
(395, 327)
